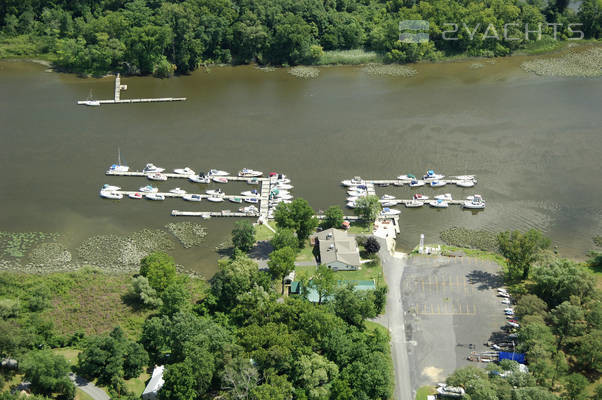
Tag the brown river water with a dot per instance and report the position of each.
(534, 143)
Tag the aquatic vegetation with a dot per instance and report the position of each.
(389, 70)
(349, 57)
(17, 244)
(587, 63)
(597, 240)
(477, 66)
(266, 69)
(470, 238)
(304, 72)
(188, 233)
(50, 255)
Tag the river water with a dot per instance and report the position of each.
(534, 143)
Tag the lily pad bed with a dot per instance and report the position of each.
(389, 70)
(15, 245)
(587, 63)
(470, 238)
(188, 233)
(304, 72)
(598, 240)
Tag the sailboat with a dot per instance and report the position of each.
(119, 167)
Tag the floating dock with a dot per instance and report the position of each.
(117, 98)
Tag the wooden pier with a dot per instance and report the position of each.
(210, 214)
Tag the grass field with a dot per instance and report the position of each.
(424, 391)
(349, 57)
(359, 228)
(263, 233)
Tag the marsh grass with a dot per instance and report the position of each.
(575, 63)
(349, 57)
(394, 70)
(304, 72)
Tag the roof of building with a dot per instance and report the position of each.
(156, 381)
(338, 245)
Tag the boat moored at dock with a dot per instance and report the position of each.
(249, 173)
(155, 196)
(152, 168)
(157, 176)
(106, 194)
(184, 171)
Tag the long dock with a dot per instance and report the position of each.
(142, 174)
(209, 214)
(201, 195)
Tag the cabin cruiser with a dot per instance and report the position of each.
(220, 179)
(474, 202)
(284, 196)
(284, 186)
(108, 188)
(155, 196)
(110, 195)
(192, 197)
(354, 182)
(252, 200)
(177, 191)
(390, 211)
(416, 183)
(199, 179)
(388, 203)
(136, 195)
(408, 177)
(119, 168)
(215, 198)
(357, 192)
(446, 197)
(437, 183)
(431, 175)
(250, 193)
(353, 198)
(418, 196)
(184, 171)
(253, 181)
(235, 199)
(398, 183)
(217, 172)
(465, 183)
(466, 178)
(214, 192)
(387, 197)
(249, 209)
(157, 177)
(148, 189)
(351, 204)
(414, 203)
(439, 204)
(246, 172)
(151, 168)
(91, 103)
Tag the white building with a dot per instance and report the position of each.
(155, 383)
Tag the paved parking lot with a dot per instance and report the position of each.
(450, 309)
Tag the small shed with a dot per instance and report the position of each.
(155, 384)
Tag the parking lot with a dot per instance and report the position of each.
(450, 309)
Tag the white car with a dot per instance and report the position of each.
(506, 301)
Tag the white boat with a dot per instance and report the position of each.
(157, 177)
(253, 200)
(253, 181)
(249, 209)
(110, 195)
(466, 178)
(184, 171)
(283, 180)
(91, 103)
(353, 198)
(284, 196)
(219, 179)
(465, 183)
(281, 192)
(177, 191)
(387, 197)
(418, 196)
(215, 199)
(192, 197)
(390, 211)
(284, 186)
(388, 203)
(119, 167)
(235, 199)
(110, 188)
(250, 193)
(249, 173)
(416, 183)
(357, 192)
(414, 203)
(351, 204)
(437, 183)
(407, 177)
(214, 192)
(398, 183)
(148, 189)
(136, 196)
(151, 168)
(446, 197)
(354, 182)
(431, 175)
(439, 204)
(217, 172)
(199, 179)
(474, 202)
(155, 196)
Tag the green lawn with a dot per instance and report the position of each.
(484, 255)
(306, 253)
(263, 233)
(137, 385)
(69, 353)
(359, 228)
(304, 272)
(81, 395)
(424, 391)
(368, 271)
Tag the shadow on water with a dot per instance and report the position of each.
(485, 280)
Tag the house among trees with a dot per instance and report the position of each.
(338, 250)
(155, 383)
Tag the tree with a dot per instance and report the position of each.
(160, 270)
(281, 263)
(178, 383)
(314, 374)
(530, 304)
(557, 282)
(240, 378)
(285, 237)
(333, 218)
(134, 359)
(144, 293)
(276, 387)
(298, 216)
(243, 235)
(372, 246)
(175, 298)
(590, 14)
(575, 386)
(522, 250)
(354, 306)
(323, 282)
(367, 208)
(47, 373)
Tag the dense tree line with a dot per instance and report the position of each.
(161, 36)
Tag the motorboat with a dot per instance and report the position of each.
(91, 103)
(217, 172)
(250, 193)
(155, 196)
(465, 183)
(437, 183)
(284, 186)
(192, 197)
(353, 198)
(351, 204)
(184, 171)
(408, 177)
(235, 199)
(439, 204)
(215, 199)
(157, 176)
(414, 203)
(177, 191)
(249, 209)
(357, 192)
(252, 200)
(390, 211)
(354, 182)
(387, 197)
(246, 172)
(220, 179)
(214, 192)
(152, 168)
(136, 195)
(199, 179)
(474, 202)
(416, 183)
(398, 183)
(446, 197)
(280, 192)
(110, 188)
(431, 175)
(418, 196)
(284, 180)
(118, 167)
(285, 196)
(388, 203)
(253, 181)
(110, 195)
(466, 178)
(148, 189)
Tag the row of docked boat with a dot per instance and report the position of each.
(430, 178)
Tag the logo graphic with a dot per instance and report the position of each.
(415, 26)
